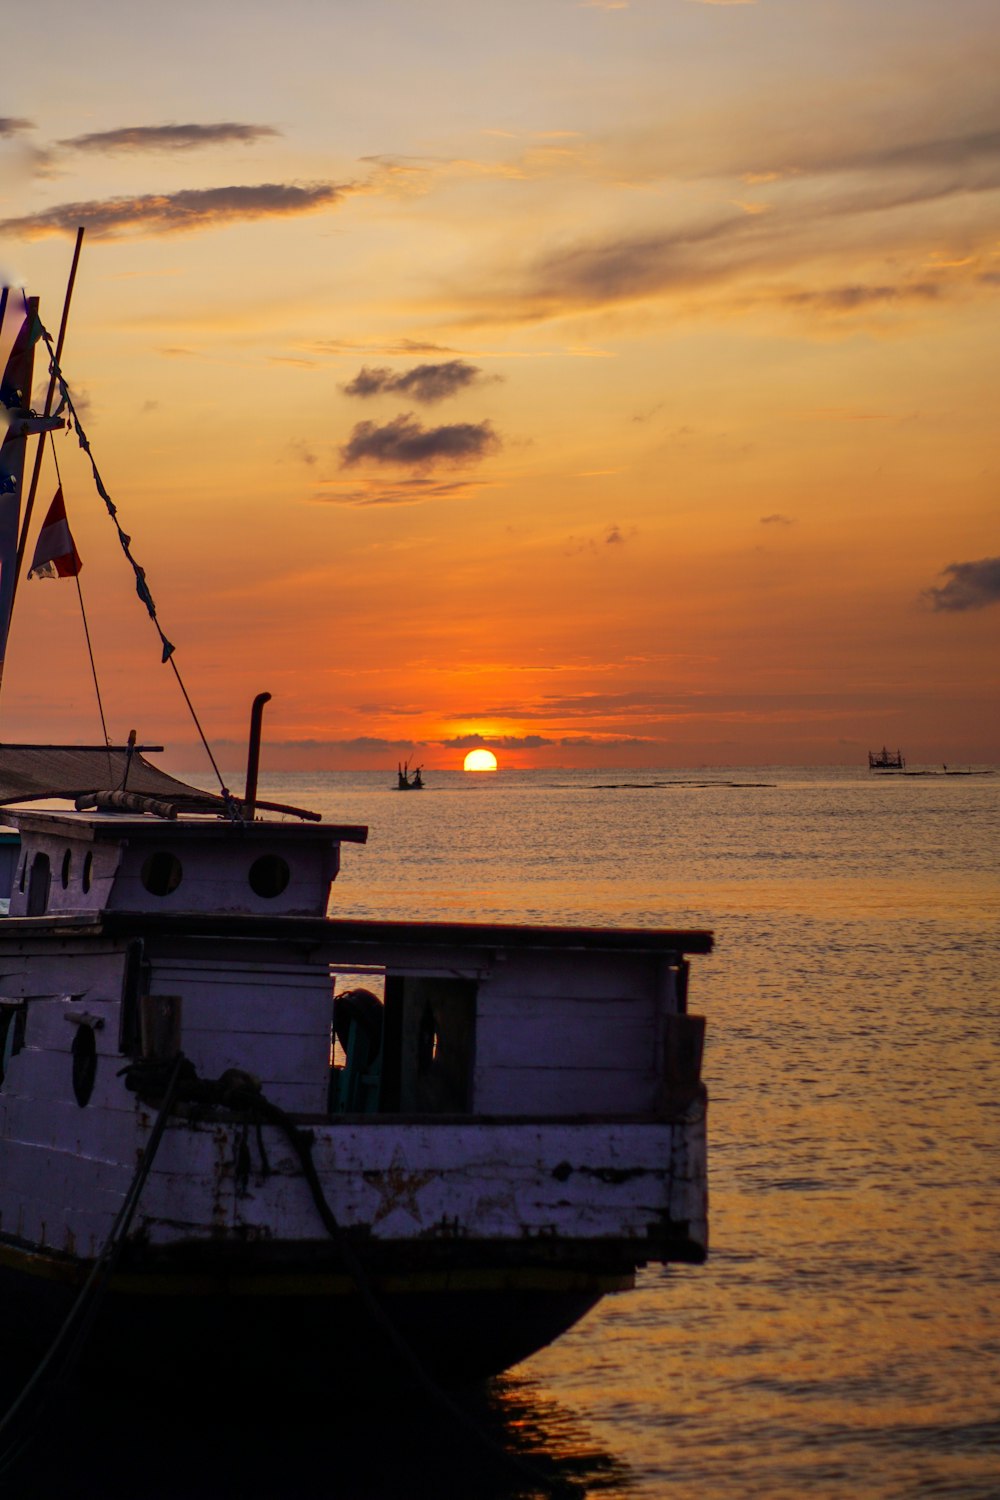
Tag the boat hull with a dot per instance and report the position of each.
(306, 1320)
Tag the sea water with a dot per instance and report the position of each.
(842, 1340)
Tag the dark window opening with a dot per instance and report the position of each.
(269, 875)
(84, 1064)
(67, 865)
(38, 885)
(12, 1024)
(88, 870)
(161, 873)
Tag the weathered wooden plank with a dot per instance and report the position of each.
(621, 1043)
(554, 1091)
(607, 977)
(493, 1181)
(55, 973)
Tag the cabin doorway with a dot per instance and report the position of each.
(39, 883)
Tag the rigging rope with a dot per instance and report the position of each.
(141, 586)
(83, 615)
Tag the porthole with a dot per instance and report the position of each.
(88, 870)
(161, 873)
(67, 865)
(84, 1064)
(269, 876)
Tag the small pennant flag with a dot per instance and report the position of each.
(55, 554)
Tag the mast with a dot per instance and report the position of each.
(22, 424)
(15, 395)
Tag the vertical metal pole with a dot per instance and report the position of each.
(36, 471)
(253, 752)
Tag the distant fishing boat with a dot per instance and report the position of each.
(886, 760)
(242, 1140)
(407, 780)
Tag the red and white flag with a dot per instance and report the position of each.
(55, 553)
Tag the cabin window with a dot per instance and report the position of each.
(84, 1064)
(67, 865)
(161, 873)
(88, 870)
(269, 875)
(38, 885)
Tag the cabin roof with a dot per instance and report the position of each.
(359, 934)
(102, 828)
(31, 773)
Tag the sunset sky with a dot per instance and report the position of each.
(608, 382)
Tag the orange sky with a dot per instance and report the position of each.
(613, 383)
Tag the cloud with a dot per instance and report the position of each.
(614, 538)
(187, 210)
(412, 491)
(851, 298)
(169, 137)
(406, 441)
(13, 125)
(425, 383)
(497, 741)
(776, 519)
(972, 585)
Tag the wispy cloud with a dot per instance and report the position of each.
(169, 137)
(776, 520)
(411, 491)
(11, 125)
(185, 211)
(425, 383)
(406, 441)
(497, 741)
(971, 585)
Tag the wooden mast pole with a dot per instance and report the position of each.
(40, 450)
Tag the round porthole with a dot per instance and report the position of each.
(67, 865)
(88, 870)
(161, 873)
(84, 1064)
(269, 875)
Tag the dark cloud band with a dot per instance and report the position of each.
(425, 383)
(172, 213)
(169, 137)
(971, 585)
(406, 441)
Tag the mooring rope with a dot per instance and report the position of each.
(68, 1344)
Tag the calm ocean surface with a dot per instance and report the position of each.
(843, 1339)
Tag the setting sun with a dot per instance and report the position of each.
(480, 760)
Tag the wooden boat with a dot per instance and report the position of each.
(407, 780)
(239, 1134)
(886, 760)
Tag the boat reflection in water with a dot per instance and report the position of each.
(518, 1442)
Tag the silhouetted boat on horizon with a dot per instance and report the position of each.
(407, 780)
(886, 760)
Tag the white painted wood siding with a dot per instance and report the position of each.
(272, 1022)
(569, 1033)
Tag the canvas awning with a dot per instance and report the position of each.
(32, 773)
